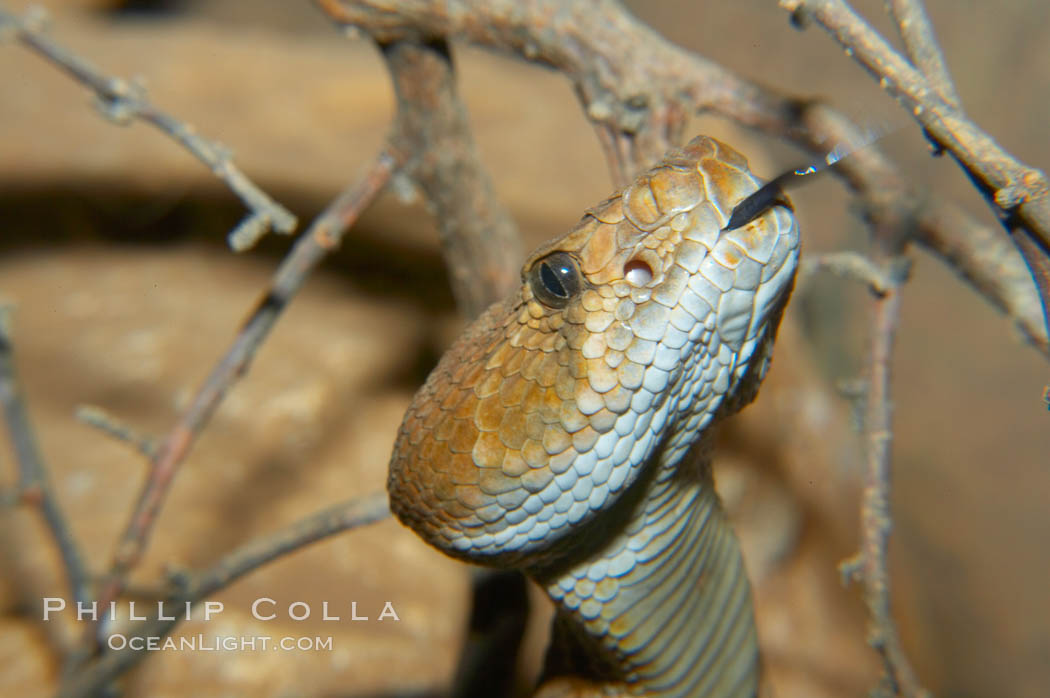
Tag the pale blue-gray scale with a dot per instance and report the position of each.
(698, 558)
(717, 648)
(687, 672)
(665, 607)
(731, 597)
(698, 607)
(669, 606)
(668, 647)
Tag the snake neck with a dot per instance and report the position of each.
(663, 608)
(566, 432)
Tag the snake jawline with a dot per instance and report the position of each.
(680, 624)
(559, 434)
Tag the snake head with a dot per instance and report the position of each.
(627, 337)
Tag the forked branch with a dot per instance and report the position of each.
(122, 101)
(1019, 194)
(639, 89)
(34, 484)
(323, 235)
(196, 586)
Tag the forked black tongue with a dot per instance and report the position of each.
(771, 193)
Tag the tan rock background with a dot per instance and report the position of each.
(111, 249)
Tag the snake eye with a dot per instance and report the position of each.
(555, 279)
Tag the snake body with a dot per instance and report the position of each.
(566, 433)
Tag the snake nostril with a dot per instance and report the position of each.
(637, 272)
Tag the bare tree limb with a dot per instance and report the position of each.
(1019, 194)
(482, 250)
(1011, 183)
(323, 235)
(981, 255)
(34, 486)
(481, 244)
(922, 47)
(100, 419)
(630, 80)
(989, 262)
(354, 513)
(849, 265)
(870, 566)
(196, 586)
(121, 101)
(638, 89)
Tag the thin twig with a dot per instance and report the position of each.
(122, 101)
(922, 48)
(989, 262)
(483, 251)
(354, 513)
(103, 421)
(323, 235)
(34, 485)
(481, 244)
(1019, 194)
(982, 255)
(634, 83)
(870, 565)
(1011, 183)
(848, 265)
(197, 586)
(616, 156)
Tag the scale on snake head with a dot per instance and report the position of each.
(566, 432)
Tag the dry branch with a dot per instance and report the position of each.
(849, 265)
(639, 89)
(1019, 194)
(100, 419)
(871, 565)
(196, 586)
(482, 251)
(121, 101)
(323, 235)
(921, 44)
(1010, 183)
(876, 522)
(34, 485)
(481, 245)
(983, 256)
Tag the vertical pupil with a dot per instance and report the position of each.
(551, 281)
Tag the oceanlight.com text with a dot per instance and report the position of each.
(219, 643)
